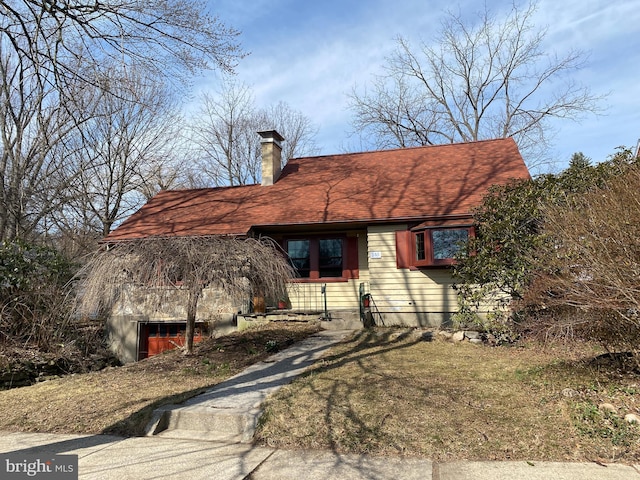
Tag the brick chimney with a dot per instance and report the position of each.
(271, 156)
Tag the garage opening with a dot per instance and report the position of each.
(159, 337)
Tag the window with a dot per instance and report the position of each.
(330, 257)
(299, 254)
(421, 252)
(324, 258)
(438, 246)
(430, 246)
(447, 242)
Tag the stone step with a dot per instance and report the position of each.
(217, 424)
(215, 437)
(336, 323)
(225, 324)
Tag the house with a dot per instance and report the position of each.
(377, 227)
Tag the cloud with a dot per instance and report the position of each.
(310, 55)
(607, 32)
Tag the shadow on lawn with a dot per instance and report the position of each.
(366, 344)
(370, 343)
(356, 400)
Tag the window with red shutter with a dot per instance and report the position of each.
(430, 247)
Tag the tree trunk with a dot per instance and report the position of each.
(192, 306)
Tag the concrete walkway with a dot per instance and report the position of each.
(229, 412)
(207, 438)
(103, 457)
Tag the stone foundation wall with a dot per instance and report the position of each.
(142, 305)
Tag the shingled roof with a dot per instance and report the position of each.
(372, 187)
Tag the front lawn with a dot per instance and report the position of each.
(387, 392)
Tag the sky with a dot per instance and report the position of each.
(311, 54)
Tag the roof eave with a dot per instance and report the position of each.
(362, 222)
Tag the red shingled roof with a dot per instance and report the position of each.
(410, 183)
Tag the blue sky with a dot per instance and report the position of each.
(310, 54)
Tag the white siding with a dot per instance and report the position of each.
(340, 295)
(403, 296)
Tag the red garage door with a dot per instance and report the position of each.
(158, 337)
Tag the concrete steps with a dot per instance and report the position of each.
(213, 437)
(226, 425)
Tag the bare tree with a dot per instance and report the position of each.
(130, 137)
(225, 131)
(220, 131)
(171, 38)
(240, 267)
(297, 129)
(490, 79)
(57, 60)
(34, 172)
(165, 172)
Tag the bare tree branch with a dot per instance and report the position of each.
(225, 130)
(131, 131)
(489, 79)
(172, 38)
(34, 171)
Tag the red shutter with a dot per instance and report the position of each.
(351, 268)
(404, 250)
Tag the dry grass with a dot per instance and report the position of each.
(384, 392)
(387, 392)
(120, 400)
